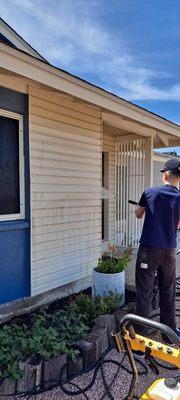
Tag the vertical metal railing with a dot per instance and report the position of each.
(129, 184)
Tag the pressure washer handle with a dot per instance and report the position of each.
(129, 318)
(133, 202)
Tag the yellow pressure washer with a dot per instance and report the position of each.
(127, 340)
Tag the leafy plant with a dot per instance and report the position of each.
(69, 322)
(53, 334)
(12, 340)
(91, 309)
(111, 265)
(46, 343)
(50, 334)
(41, 318)
(73, 353)
(107, 304)
(86, 306)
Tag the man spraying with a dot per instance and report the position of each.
(157, 250)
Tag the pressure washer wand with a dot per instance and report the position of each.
(133, 202)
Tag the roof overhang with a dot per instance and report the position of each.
(117, 111)
(128, 128)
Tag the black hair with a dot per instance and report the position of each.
(174, 174)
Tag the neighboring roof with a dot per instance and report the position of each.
(166, 154)
(9, 36)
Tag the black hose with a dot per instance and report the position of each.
(113, 380)
(120, 366)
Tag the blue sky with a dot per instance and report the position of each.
(129, 47)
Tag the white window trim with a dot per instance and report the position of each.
(21, 215)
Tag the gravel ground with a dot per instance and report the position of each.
(119, 388)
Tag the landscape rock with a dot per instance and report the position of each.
(51, 370)
(31, 375)
(99, 337)
(7, 386)
(88, 352)
(74, 367)
(106, 321)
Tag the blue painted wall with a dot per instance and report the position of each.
(15, 235)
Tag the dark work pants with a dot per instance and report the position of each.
(152, 261)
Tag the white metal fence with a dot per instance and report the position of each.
(129, 184)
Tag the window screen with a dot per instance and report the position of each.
(9, 166)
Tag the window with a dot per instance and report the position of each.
(11, 166)
(105, 196)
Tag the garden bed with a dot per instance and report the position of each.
(74, 334)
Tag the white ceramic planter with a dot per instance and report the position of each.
(103, 284)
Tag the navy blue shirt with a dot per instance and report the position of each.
(161, 217)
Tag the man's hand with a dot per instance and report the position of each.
(139, 212)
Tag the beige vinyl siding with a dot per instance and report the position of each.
(65, 161)
(109, 146)
(14, 83)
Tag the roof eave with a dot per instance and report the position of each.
(30, 67)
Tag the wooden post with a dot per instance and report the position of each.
(148, 181)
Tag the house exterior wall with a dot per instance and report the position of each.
(65, 162)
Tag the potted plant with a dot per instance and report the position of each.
(109, 275)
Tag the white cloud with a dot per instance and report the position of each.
(69, 33)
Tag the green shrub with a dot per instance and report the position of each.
(112, 265)
(13, 341)
(90, 309)
(86, 307)
(51, 334)
(46, 343)
(69, 322)
(108, 304)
